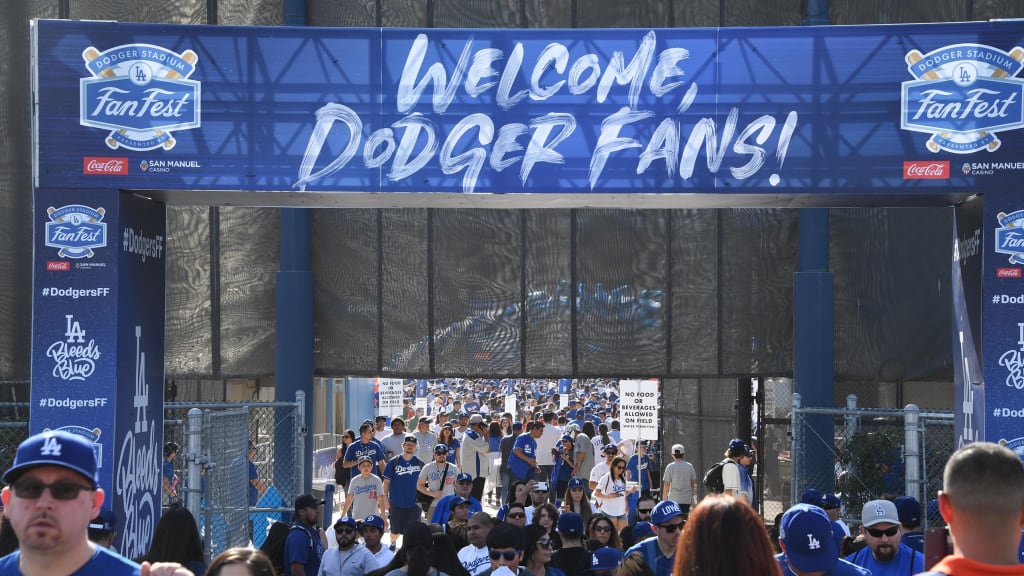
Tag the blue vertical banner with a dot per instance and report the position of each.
(968, 380)
(140, 243)
(93, 373)
(1003, 318)
(564, 385)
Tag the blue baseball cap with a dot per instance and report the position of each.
(830, 501)
(457, 501)
(737, 444)
(54, 448)
(642, 530)
(346, 521)
(806, 532)
(463, 477)
(440, 447)
(106, 520)
(811, 496)
(606, 558)
(575, 483)
(517, 425)
(610, 448)
(664, 511)
(908, 509)
(570, 524)
(375, 521)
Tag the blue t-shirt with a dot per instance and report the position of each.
(842, 568)
(640, 475)
(303, 546)
(494, 443)
(168, 472)
(373, 449)
(442, 512)
(914, 541)
(898, 566)
(403, 474)
(103, 562)
(521, 468)
(254, 494)
(655, 560)
(452, 445)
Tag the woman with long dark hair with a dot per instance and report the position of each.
(576, 500)
(254, 562)
(707, 547)
(537, 552)
(176, 539)
(611, 491)
(342, 475)
(447, 437)
(601, 532)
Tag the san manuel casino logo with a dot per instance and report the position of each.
(141, 93)
(963, 95)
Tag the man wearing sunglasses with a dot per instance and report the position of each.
(51, 495)
(505, 544)
(350, 558)
(885, 555)
(659, 553)
(643, 514)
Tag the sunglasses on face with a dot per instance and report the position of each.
(517, 515)
(879, 533)
(544, 543)
(346, 530)
(643, 510)
(602, 528)
(670, 528)
(508, 555)
(33, 489)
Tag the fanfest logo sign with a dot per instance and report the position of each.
(76, 230)
(1010, 236)
(141, 93)
(963, 94)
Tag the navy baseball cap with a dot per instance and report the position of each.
(54, 448)
(908, 509)
(575, 483)
(463, 477)
(425, 419)
(105, 521)
(307, 501)
(610, 448)
(517, 425)
(806, 532)
(606, 558)
(830, 501)
(375, 521)
(440, 448)
(642, 530)
(457, 501)
(346, 521)
(570, 524)
(410, 439)
(737, 444)
(811, 496)
(664, 511)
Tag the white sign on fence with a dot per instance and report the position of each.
(510, 405)
(389, 395)
(638, 409)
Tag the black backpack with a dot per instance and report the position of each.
(713, 483)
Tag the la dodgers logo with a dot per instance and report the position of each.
(141, 93)
(1010, 235)
(963, 95)
(76, 230)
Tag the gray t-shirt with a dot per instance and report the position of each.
(425, 442)
(585, 447)
(366, 493)
(679, 474)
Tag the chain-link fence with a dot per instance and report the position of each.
(214, 463)
(863, 454)
(13, 430)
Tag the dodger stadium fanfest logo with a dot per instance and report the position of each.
(76, 230)
(963, 95)
(1010, 236)
(141, 93)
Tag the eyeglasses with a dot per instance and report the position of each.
(879, 533)
(517, 515)
(602, 528)
(345, 530)
(32, 490)
(544, 543)
(670, 528)
(541, 491)
(508, 555)
(643, 510)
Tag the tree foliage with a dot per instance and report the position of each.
(872, 461)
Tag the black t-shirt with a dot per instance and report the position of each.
(572, 560)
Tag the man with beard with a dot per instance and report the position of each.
(885, 555)
(304, 546)
(401, 476)
(50, 496)
(474, 556)
(350, 558)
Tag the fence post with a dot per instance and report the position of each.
(912, 451)
(796, 473)
(300, 441)
(851, 417)
(194, 433)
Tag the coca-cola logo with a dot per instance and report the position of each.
(58, 266)
(104, 165)
(917, 170)
(1008, 273)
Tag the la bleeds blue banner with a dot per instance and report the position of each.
(1003, 318)
(824, 110)
(74, 346)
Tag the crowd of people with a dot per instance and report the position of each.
(54, 507)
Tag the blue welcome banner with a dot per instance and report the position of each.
(932, 109)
